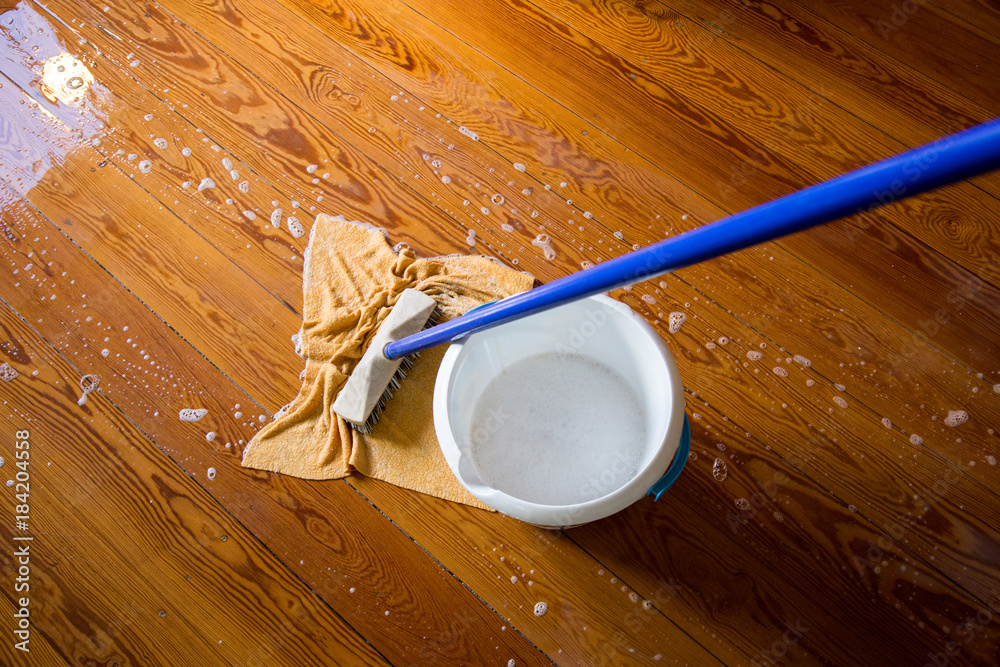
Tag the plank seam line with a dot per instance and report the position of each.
(858, 399)
(887, 55)
(954, 15)
(603, 226)
(111, 161)
(884, 132)
(446, 569)
(381, 167)
(46, 635)
(185, 473)
(821, 487)
(622, 580)
(237, 64)
(665, 171)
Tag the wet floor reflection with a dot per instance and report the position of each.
(52, 102)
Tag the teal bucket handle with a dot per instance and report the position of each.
(674, 471)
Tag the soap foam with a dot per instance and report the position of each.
(192, 414)
(558, 430)
(956, 418)
(676, 321)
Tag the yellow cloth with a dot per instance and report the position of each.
(350, 281)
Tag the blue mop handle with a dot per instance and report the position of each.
(947, 160)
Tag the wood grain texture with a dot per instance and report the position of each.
(870, 528)
(791, 413)
(923, 38)
(679, 639)
(790, 525)
(292, 517)
(928, 372)
(808, 127)
(655, 114)
(154, 570)
(825, 56)
(42, 651)
(584, 162)
(878, 395)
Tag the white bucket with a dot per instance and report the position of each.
(596, 337)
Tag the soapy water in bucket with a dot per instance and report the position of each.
(558, 429)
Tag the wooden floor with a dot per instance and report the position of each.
(855, 525)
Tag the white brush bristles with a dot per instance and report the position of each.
(374, 374)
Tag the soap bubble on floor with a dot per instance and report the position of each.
(7, 372)
(956, 418)
(192, 414)
(88, 383)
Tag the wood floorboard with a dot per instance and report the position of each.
(766, 529)
(923, 37)
(853, 527)
(818, 135)
(980, 13)
(288, 515)
(654, 113)
(959, 443)
(820, 56)
(190, 580)
(929, 372)
(671, 632)
(623, 203)
(41, 649)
